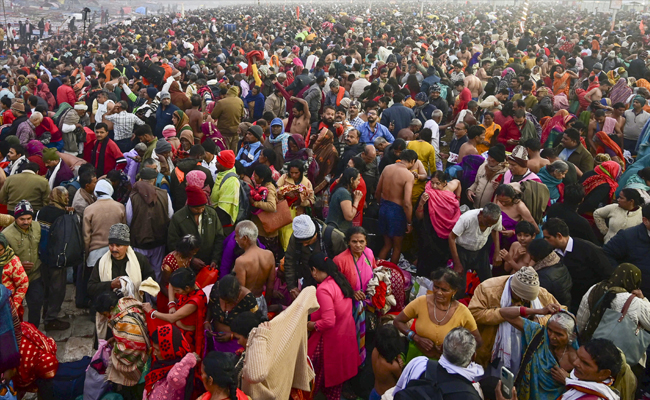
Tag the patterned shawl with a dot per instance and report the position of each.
(131, 350)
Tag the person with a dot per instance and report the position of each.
(195, 218)
(122, 123)
(371, 130)
(84, 196)
(164, 113)
(492, 130)
(586, 262)
(387, 361)
(97, 220)
(26, 185)
(634, 122)
(186, 248)
(227, 300)
(553, 274)
(57, 170)
(37, 358)
(550, 348)
(262, 178)
(501, 341)
(103, 153)
(255, 269)
(518, 170)
(351, 149)
(225, 193)
(344, 200)
(326, 155)
(600, 185)
(332, 344)
(130, 351)
(398, 115)
(14, 277)
(252, 147)
(218, 377)
(579, 227)
(395, 211)
(456, 371)
(296, 188)
(535, 160)
(551, 176)
(429, 333)
(517, 256)
(468, 240)
(513, 210)
(626, 213)
(228, 113)
(488, 176)
(187, 307)
(571, 150)
(173, 363)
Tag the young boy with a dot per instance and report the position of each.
(387, 363)
(518, 255)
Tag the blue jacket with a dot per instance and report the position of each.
(259, 104)
(367, 136)
(400, 114)
(164, 118)
(631, 245)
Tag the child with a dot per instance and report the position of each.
(387, 362)
(518, 255)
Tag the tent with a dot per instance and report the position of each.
(141, 10)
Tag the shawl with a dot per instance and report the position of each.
(301, 154)
(444, 210)
(54, 173)
(558, 123)
(561, 84)
(579, 389)
(604, 142)
(97, 160)
(626, 278)
(210, 131)
(183, 122)
(325, 154)
(132, 343)
(620, 92)
(8, 253)
(551, 259)
(551, 182)
(281, 138)
(471, 372)
(38, 357)
(506, 77)
(528, 131)
(536, 196)
(173, 347)
(607, 172)
(35, 148)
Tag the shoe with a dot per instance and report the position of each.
(57, 325)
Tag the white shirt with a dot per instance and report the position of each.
(468, 231)
(567, 249)
(212, 166)
(102, 109)
(435, 139)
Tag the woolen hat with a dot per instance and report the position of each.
(49, 154)
(209, 146)
(165, 95)
(525, 284)
(421, 96)
(19, 105)
(303, 227)
(152, 92)
(148, 174)
(257, 131)
(22, 208)
(226, 158)
(519, 156)
(195, 196)
(163, 146)
(598, 66)
(498, 152)
(120, 234)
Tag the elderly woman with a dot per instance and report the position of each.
(186, 249)
(27, 130)
(626, 213)
(436, 314)
(551, 176)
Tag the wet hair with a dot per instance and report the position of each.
(539, 249)
(388, 342)
(555, 226)
(349, 174)
(187, 244)
(475, 131)
(221, 368)
(228, 288)
(359, 164)
(605, 354)
(525, 227)
(244, 323)
(506, 190)
(182, 278)
(450, 276)
(297, 164)
(325, 264)
(354, 231)
(408, 155)
(106, 301)
(633, 194)
(270, 155)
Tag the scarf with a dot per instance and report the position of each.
(471, 372)
(173, 347)
(88, 197)
(97, 159)
(146, 190)
(551, 182)
(281, 138)
(607, 172)
(8, 253)
(444, 210)
(301, 154)
(508, 340)
(183, 123)
(16, 164)
(55, 171)
(325, 152)
(340, 95)
(528, 131)
(620, 92)
(605, 143)
(578, 389)
(547, 261)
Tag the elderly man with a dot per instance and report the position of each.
(455, 372)
(501, 341)
(518, 167)
(255, 269)
(57, 171)
(122, 123)
(148, 212)
(26, 130)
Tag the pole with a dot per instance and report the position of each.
(611, 28)
(421, 7)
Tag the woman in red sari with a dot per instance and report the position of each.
(186, 249)
(37, 358)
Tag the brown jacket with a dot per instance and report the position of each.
(150, 221)
(485, 306)
(98, 219)
(228, 113)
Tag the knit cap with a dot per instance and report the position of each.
(19, 105)
(421, 97)
(257, 131)
(49, 154)
(525, 284)
(303, 227)
(152, 92)
(196, 178)
(598, 66)
(498, 152)
(22, 208)
(226, 158)
(165, 95)
(169, 131)
(195, 196)
(148, 174)
(163, 146)
(119, 234)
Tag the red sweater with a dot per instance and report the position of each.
(48, 126)
(509, 130)
(65, 94)
(114, 159)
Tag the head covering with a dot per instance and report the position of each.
(8, 253)
(81, 106)
(196, 178)
(519, 156)
(606, 173)
(195, 196)
(598, 66)
(22, 208)
(303, 227)
(59, 197)
(148, 173)
(165, 95)
(257, 131)
(498, 152)
(19, 106)
(421, 96)
(189, 136)
(226, 158)
(173, 347)
(209, 146)
(525, 284)
(152, 92)
(611, 54)
(169, 131)
(103, 189)
(640, 99)
(434, 88)
(34, 147)
(119, 234)
(163, 146)
(49, 154)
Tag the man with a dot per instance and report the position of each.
(358, 86)
(225, 193)
(164, 113)
(18, 109)
(57, 171)
(473, 83)
(301, 117)
(635, 120)
(24, 236)
(603, 123)
(468, 240)
(228, 112)
(518, 167)
(397, 116)
(103, 153)
(315, 98)
(520, 289)
(351, 149)
(276, 103)
(456, 371)
(353, 115)
(423, 109)
(437, 101)
(535, 161)
(526, 95)
(370, 175)
(578, 225)
(255, 269)
(209, 161)
(496, 101)
(84, 196)
(146, 136)
(632, 245)
(122, 123)
(26, 131)
(278, 142)
(65, 93)
(195, 115)
(27, 185)
(336, 94)
(393, 192)
(475, 136)
(571, 149)
(637, 68)
(488, 176)
(148, 212)
(372, 129)
(254, 102)
(201, 221)
(252, 146)
(460, 138)
(310, 236)
(585, 261)
(516, 130)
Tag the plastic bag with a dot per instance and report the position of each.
(420, 287)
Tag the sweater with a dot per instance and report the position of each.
(25, 246)
(618, 218)
(25, 186)
(173, 386)
(276, 358)
(97, 221)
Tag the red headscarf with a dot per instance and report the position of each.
(173, 347)
(607, 172)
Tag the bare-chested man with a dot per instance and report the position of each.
(394, 193)
(475, 136)
(595, 95)
(301, 117)
(535, 161)
(255, 269)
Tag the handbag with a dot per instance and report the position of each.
(272, 221)
(631, 339)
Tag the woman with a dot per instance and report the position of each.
(551, 176)
(37, 358)
(600, 186)
(637, 179)
(562, 80)
(173, 363)
(437, 213)
(227, 300)
(169, 134)
(182, 123)
(218, 377)
(553, 130)
(14, 277)
(620, 92)
(241, 327)
(187, 141)
(626, 213)
(35, 154)
(552, 350)
(606, 145)
(447, 314)
(491, 132)
(412, 85)
(513, 210)
(296, 188)
(501, 117)
(210, 131)
(488, 176)
(326, 156)
(357, 263)
(187, 307)
(296, 151)
(344, 201)
(186, 249)
(332, 344)
(262, 178)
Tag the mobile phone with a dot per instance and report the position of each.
(507, 382)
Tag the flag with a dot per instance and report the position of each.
(298, 12)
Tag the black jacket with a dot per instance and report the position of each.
(177, 189)
(631, 245)
(578, 225)
(557, 280)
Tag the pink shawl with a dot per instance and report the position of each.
(444, 210)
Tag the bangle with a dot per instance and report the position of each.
(152, 314)
(522, 311)
(170, 303)
(410, 335)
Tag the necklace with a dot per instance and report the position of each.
(560, 359)
(434, 312)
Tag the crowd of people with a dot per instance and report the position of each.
(353, 201)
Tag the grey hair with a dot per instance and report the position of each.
(282, 75)
(247, 229)
(380, 140)
(491, 211)
(416, 122)
(558, 165)
(141, 146)
(36, 115)
(566, 322)
(459, 347)
(437, 113)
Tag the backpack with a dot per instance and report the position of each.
(429, 388)
(244, 197)
(67, 384)
(65, 246)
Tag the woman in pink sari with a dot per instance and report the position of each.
(437, 213)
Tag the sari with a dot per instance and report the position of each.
(326, 155)
(620, 92)
(554, 128)
(183, 123)
(489, 133)
(605, 144)
(248, 303)
(200, 300)
(173, 347)
(606, 173)
(210, 131)
(561, 84)
(37, 358)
